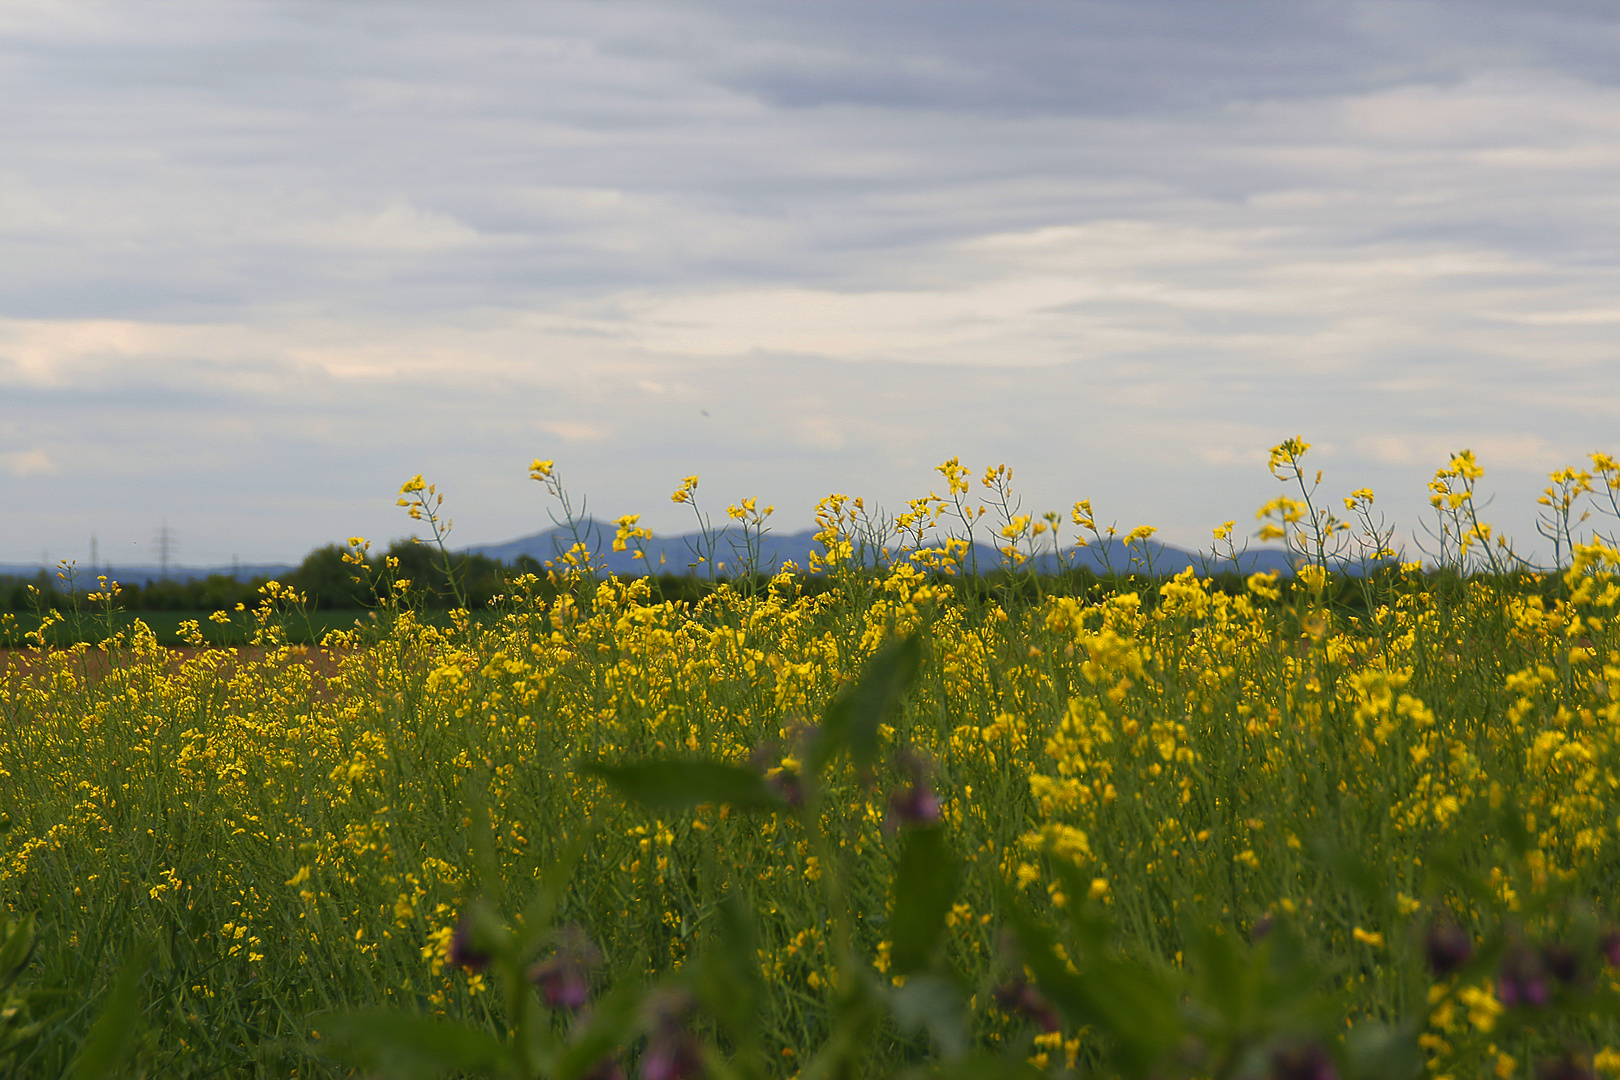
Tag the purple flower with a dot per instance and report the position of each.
(1568, 1067)
(788, 786)
(1561, 961)
(1021, 999)
(786, 783)
(565, 979)
(1448, 947)
(606, 1069)
(463, 951)
(1522, 980)
(1609, 945)
(1302, 1061)
(915, 803)
(672, 1054)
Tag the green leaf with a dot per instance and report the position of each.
(1090, 922)
(857, 1012)
(1226, 984)
(406, 1046)
(933, 1003)
(1352, 870)
(1510, 821)
(474, 796)
(728, 980)
(1134, 1006)
(924, 886)
(16, 951)
(1377, 1051)
(543, 905)
(112, 1036)
(1064, 988)
(977, 1066)
(872, 699)
(681, 785)
(1447, 866)
(613, 1022)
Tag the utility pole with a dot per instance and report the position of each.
(92, 554)
(166, 541)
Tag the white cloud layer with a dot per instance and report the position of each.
(265, 261)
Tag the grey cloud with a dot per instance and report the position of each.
(306, 458)
(276, 255)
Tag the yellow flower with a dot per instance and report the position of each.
(1463, 464)
(1264, 585)
(1287, 453)
(1483, 1008)
(1313, 578)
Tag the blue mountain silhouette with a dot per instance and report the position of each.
(727, 550)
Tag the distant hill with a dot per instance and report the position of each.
(680, 554)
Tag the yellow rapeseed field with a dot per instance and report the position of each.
(291, 829)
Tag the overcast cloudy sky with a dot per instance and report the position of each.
(262, 262)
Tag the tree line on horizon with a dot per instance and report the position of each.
(329, 582)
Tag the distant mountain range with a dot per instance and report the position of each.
(681, 554)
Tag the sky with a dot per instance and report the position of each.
(260, 263)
